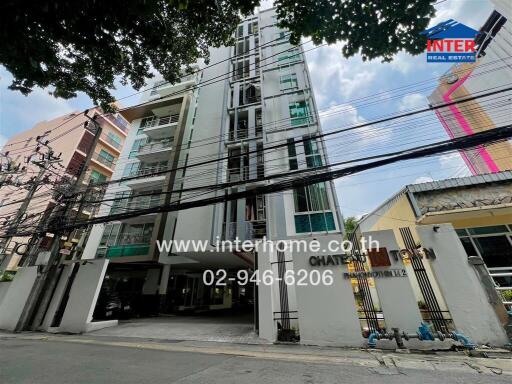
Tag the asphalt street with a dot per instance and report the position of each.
(42, 361)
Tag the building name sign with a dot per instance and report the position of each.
(375, 274)
(327, 260)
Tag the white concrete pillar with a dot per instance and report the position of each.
(77, 316)
(327, 313)
(465, 297)
(396, 296)
(267, 330)
(16, 297)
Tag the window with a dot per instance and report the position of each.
(110, 235)
(136, 147)
(299, 113)
(131, 169)
(292, 154)
(115, 138)
(106, 158)
(148, 122)
(119, 206)
(312, 153)
(280, 36)
(290, 56)
(253, 28)
(311, 198)
(97, 177)
(492, 243)
(316, 222)
(288, 82)
(240, 30)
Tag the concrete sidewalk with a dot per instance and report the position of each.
(498, 363)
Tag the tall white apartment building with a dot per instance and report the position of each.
(255, 94)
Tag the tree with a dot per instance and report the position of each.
(84, 46)
(350, 224)
(375, 28)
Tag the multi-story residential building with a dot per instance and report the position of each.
(256, 94)
(70, 136)
(492, 71)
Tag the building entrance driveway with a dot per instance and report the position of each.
(207, 327)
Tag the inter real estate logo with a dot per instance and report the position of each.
(451, 42)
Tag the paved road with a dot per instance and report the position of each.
(52, 361)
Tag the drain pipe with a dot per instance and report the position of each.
(423, 334)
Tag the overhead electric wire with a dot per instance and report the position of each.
(490, 136)
(320, 135)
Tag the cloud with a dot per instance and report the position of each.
(412, 101)
(423, 179)
(340, 115)
(336, 78)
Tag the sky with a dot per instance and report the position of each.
(340, 86)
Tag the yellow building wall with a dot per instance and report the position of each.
(399, 215)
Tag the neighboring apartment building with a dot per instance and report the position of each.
(72, 137)
(264, 96)
(492, 71)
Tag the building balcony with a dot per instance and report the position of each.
(245, 230)
(111, 143)
(116, 121)
(155, 151)
(104, 161)
(161, 127)
(146, 178)
(137, 203)
(238, 174)
(164, 88)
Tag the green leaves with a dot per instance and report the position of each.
(373, 29)
(85, 46)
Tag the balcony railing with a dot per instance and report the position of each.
(238, 174)
(241, 133)
(155, 146)
(104, 160)
(135, 203)
(119, 122)
(149, 170)
(127, 250)
(157, 121)
(111, 141)
(246, 230)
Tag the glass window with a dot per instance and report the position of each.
(131, 169)
(299, 112)
(107, 157)
(461, 232)
(280, 36)
(292, 154)
(316, 222)
(312, 152)
(288, 56)
(97, 177)
(468, 246)
(136, 147)
(115, 138)
(495, 250)
(288, 82)
(311, 198)
(488, 230)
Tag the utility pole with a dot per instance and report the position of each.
(42, 291)
(45, 161)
